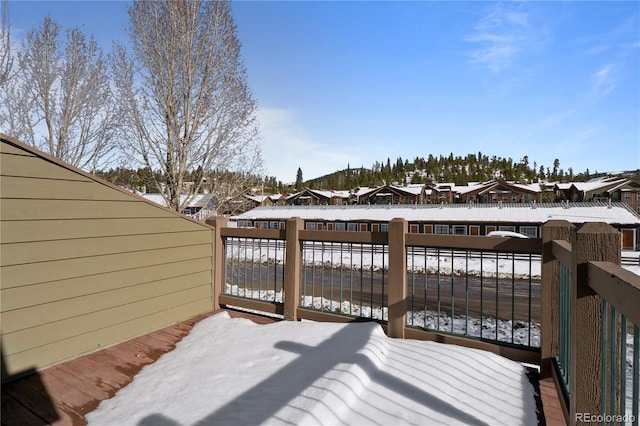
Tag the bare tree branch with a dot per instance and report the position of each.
(62, 100)
(6, 56)
(184, 93)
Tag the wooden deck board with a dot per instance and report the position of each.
(65, 393)
(551, 403)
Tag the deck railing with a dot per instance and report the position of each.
(590, 343)
(470, 290)
(586, 305)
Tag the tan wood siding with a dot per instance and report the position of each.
(36, 188)
(85, 264)
(46, 251)
(50, 230)
(27, 274)
(31, 166)
(63, 350)
(49, 313)
(37, 294)
(33, 209)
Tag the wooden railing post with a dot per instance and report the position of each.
(293, 268)
(552, 230)
(595, 241)
(218, 266)
(397, 278)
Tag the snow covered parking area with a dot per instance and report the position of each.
(235, 372)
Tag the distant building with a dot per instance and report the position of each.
(458, 219)
(199, 207)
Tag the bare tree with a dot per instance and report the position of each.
(6, 57)
(61, 101)
(184, 94)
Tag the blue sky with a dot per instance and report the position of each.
(341, 83)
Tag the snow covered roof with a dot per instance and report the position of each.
(594, 185)
(256, 198)
(363, 190)
(533, 187)
(564, 186)
(614, 213)
(411, 189)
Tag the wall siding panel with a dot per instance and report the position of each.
(85, 264)
(33, 166)
(46, 251)
(52, 230)
(48, 189)
(37, 294)
(95, 319)
(26, 274)
(33, 316)
(64, 350)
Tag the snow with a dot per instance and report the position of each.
(234, 372)
(614, 213)
(511, 331)
(433, 261)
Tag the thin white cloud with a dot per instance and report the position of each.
(502, 35)
(557, 118)
(286, 146)
(603, 81)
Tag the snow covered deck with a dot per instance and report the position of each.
(65, 394)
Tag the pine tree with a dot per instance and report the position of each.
(299, 180)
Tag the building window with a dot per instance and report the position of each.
(274, 225)
(384, 227)
(531, 231)
(441, 229)
(340, 226)
(514, 198)
(638, 195)
(264, 225)
(459, 230)
(352, 226)
(310, 226)
(507, 228)
(627, 196)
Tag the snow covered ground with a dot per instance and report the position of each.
(234, 372)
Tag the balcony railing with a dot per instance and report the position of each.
(566, 302)
(475, 291)
(590, 331)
